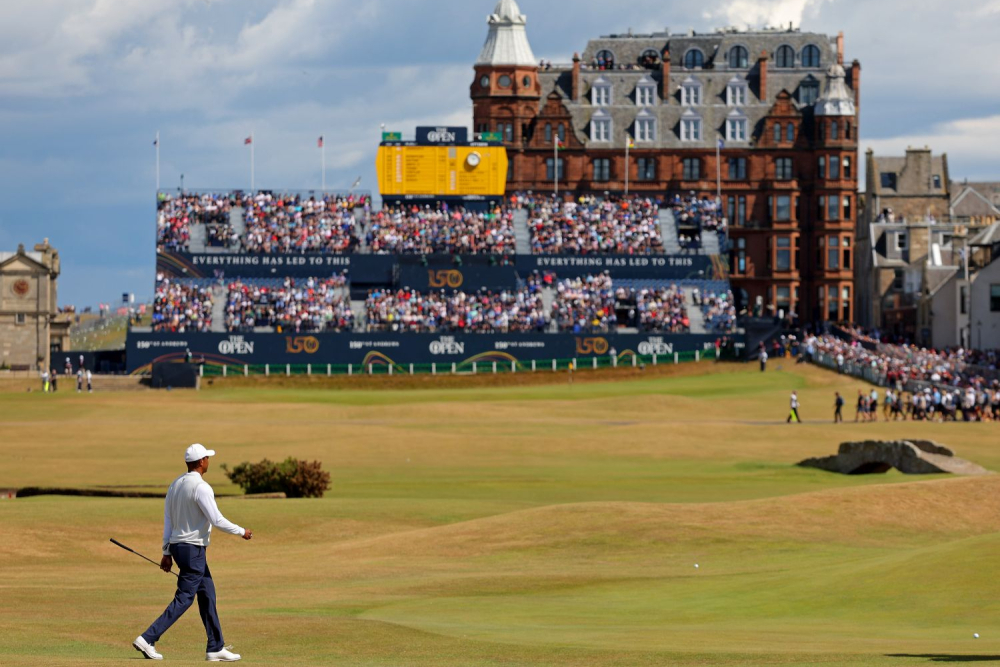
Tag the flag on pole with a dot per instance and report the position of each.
(319, 143)
(156, 141)
(559, 144)
(722, 144)
(248, 141)
(631, 141)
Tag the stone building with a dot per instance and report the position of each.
(30, 327)
(921, 241)
(780, 102)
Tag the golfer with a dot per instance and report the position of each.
(188, 518)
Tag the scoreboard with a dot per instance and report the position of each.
(455, 170)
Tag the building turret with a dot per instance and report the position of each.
(507, 43)
(506, 93)
(835, 100)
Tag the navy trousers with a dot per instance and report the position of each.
(195, 581)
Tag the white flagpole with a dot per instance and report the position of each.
(253, 147)
(157, 162)
(323, 156)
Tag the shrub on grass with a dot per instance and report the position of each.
(294, 478)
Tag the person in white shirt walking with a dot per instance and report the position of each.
(793, 415)
(189, 514)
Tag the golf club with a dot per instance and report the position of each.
(117, 543)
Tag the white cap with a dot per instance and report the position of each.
(197, 453)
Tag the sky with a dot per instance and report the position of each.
(85, 85)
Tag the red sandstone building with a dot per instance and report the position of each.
(780, 101)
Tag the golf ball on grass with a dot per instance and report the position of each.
(976, 635)
(696, 566)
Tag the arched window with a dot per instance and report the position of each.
(785, 57)
(777, 133)
(739, 58)
(650, 59)
(694, 59)
(605, 60)
(810, 56)
(548, 133)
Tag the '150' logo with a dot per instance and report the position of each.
(592, 346)
(446, 278)
(301, 344)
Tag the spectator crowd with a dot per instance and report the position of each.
(293, 224)
(176, 214)
(485, 311)
(441, 229)
(943, 385)
(591, 225)
(180, 307)
(310, 305)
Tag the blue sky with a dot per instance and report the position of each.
(86, 84)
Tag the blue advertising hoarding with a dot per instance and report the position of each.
(300, 349)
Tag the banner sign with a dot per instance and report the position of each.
(476, 270)
(443, 136)
(299, 349)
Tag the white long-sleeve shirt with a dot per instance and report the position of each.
(190, 512)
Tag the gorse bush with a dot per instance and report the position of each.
(294, 478)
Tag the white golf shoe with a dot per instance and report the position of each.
(225, 655)
(147, 650)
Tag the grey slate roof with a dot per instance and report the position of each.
(714, 77)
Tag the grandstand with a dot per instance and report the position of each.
(248, 277)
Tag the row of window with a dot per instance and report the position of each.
(692, 92)
(504, 81)
(738, 57)
(833, 254)
(832, 207)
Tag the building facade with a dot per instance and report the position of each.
(30, 328)
(922, 240)
(768, 120)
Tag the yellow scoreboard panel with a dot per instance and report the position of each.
(442, 170)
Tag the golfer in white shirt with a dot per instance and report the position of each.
(189, 514)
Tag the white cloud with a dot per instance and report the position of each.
(757, 13)
(969, 143)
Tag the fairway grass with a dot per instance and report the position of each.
(535, 525)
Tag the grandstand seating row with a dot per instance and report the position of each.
(290, 224)
(540, 303)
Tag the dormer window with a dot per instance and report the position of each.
(690, 93)
(605, 60)
(785, 57)
(694, 59)
(736, 126)
(739, 58)
(650, 59)
(645, 126)
(690, 126)
(645, 92)
(809, 91)
(600, 126)
(810, 56)
(736, 93)
(600, 94)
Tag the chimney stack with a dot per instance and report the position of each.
(665, 76)
(575, 92)
(762, 76)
